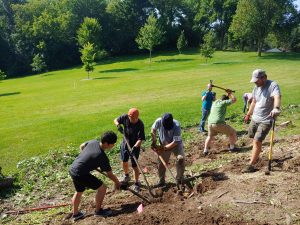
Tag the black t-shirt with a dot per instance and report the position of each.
(90, 158)
(133, 132)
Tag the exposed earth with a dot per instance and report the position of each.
(219, 193)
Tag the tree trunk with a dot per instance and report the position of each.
(259, 45)
(150, 55)
(88, 75)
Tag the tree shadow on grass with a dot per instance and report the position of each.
(104, 78)
(281, 56)
(11, 93)
(118, 70)
(224, 63)
(173, 60)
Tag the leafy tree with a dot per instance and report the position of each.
(126, 17)
(150, 35)
(88, 58)
(216, 14)
(255, 19)
(181, 42)
(2, 75)
(89, 31)
(207, 50)
(38, 64)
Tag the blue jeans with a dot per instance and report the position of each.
(205, 113)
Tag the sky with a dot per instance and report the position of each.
(298, 4)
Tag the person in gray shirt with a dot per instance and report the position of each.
(265, 107)
(169, 133)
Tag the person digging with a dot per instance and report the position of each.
(133, 130)
(169, 133)
(265, 107)
(217, 124)
(92, 157)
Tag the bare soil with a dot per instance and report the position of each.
(216, 195)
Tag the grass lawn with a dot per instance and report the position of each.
(61, 108)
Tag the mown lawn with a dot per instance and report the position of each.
(61, 108)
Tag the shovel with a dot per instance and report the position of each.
(271, 149)
(139, 167)
(129, 189)
(171, 173)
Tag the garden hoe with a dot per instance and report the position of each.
(172, 175)
(271, 148)
(156, 195)
(124, 186)
(225, 89)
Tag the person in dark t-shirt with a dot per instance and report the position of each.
(92, 157)
(134, 132)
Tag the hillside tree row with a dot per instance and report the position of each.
(50, 33)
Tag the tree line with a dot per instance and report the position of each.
(37, 35)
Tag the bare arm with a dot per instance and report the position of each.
(153, 136)
(170, 146)
(138, 143)
(113, 177)
(233, 98)
(251, 108)
(277, 101)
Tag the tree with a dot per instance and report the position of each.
(150, 35)
(255, 19)
(38, 64)
(2, 75)
(89, 31)
(181, 42)
(207, 50)
(88, 58)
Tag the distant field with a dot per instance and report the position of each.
(59, 108)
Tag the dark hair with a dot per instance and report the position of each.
(109, 137)
(224, 97)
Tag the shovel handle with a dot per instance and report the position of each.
(271, 145)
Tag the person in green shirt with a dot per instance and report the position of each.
(217, 124)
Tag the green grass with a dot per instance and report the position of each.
(55, 109)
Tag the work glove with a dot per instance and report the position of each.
(275, 112)
(153, 145)
(123, 186)
(247, 118)
(120, 129)
(159, 149)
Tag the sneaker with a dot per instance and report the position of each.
(104, 212)
(137, 187)
(249, 169)
(126, 179)
(78, 216)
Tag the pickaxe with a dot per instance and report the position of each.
(225, 89)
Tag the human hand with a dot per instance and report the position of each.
(120, 129)
(228, 91)
(275, 112)
(159, 149)
(153, 145)
(247, 118)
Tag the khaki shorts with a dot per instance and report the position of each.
(259, 131)
(214, 129)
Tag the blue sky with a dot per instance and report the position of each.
(298, 4)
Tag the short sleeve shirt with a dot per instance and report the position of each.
(264, 97)
(90, 158)
(218, 111)
(206, 104)
(168, 136)
(133, 132)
